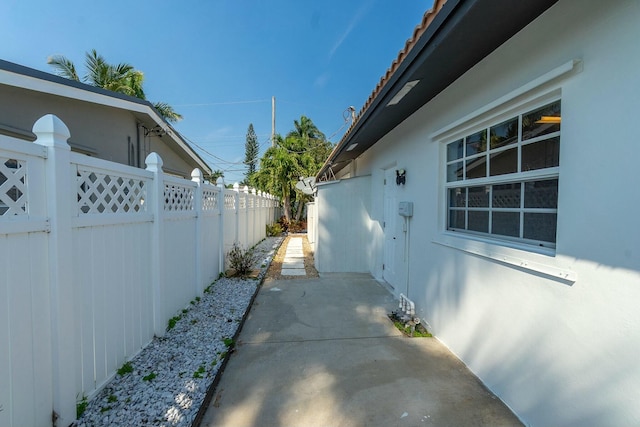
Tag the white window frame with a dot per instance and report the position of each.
(518, 177)
(536, 260)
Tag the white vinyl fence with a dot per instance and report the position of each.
(95, 257)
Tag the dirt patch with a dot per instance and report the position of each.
(276, 264)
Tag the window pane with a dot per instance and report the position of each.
(455, 150)
(477, 168)
(457, 197)
(506, 223)
(479, 221)
(541, 121)
(454, 172)
(476, 143)
(504, 134)
(540, 226)
(456, 219)
(540, 155)
(541, 194)
(478, 197)
(506, 195)
(504, 162)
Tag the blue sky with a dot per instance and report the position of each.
(220, 62)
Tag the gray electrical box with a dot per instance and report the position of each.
(405, 208)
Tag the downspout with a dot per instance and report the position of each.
(138, 156)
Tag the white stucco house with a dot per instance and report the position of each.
(510, 128)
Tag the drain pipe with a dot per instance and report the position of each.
(407, 246)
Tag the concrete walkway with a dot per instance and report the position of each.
(321, 352)
(293, 264)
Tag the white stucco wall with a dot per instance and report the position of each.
(557, 352)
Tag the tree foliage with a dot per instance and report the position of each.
(121, 78)
(251, 153)
(300, 154)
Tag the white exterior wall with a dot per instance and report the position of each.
(558, 352)
(344, 242)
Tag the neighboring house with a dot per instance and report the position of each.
(513, 126)
(103, 124)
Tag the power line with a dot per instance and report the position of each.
(208, 104)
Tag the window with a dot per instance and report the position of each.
(502, 181)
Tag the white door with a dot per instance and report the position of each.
(390, 225)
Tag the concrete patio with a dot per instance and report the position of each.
(322, 352)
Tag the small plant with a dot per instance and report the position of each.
(127, 368)
(81, 406)
(194, 321)
(149, 377)
(274, 229)
(185, 311)
(198, 299)
(241, 260)
(112, 398)
(199, 373)
(229, 342)
(105, 409)
(172, 322)
(223, 355)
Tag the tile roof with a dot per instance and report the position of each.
(419, 30)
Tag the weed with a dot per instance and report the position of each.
(172, 322)
(199, 373)
(127, 368)
(112, 398)
(418, 330)
(185, 311)
(81, 406)
(229, 342)
(194, 321)
(149, 377)
(193, 302)
(223, 355)
(105, 409)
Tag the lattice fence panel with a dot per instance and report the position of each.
(13, 187)
(229, 201)
(109, 193)
(243, 202)
(178, 198)
(251, 202)
(209, 200)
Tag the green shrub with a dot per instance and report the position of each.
(274, 229)
(241, 260)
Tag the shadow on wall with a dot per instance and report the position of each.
(533, 356)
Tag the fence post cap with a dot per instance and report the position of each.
(236, 187)
(154, 162)
(220, 182)
(50, 129)
(196, 175)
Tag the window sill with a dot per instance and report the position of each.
(535, 260)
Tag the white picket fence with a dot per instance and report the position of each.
(95, 257)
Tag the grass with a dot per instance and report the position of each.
(419, 332)
(81, 406)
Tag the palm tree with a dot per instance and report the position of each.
(121, 78)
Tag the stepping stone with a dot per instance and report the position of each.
(293, 272)
(292, 264)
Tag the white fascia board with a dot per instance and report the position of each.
(31, 83)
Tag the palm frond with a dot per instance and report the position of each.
(63, 67)
(167, 112)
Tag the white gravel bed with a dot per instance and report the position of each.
(169, 378)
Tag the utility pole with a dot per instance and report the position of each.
(273, 121)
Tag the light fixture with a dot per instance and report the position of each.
(352, 146)
(549, 120)
(401, 176)
(402, 92)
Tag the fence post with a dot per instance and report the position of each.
(196, 176)
(221, 209)
(52, 133)
(236, 207)
(245, 190)
(156, 207)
